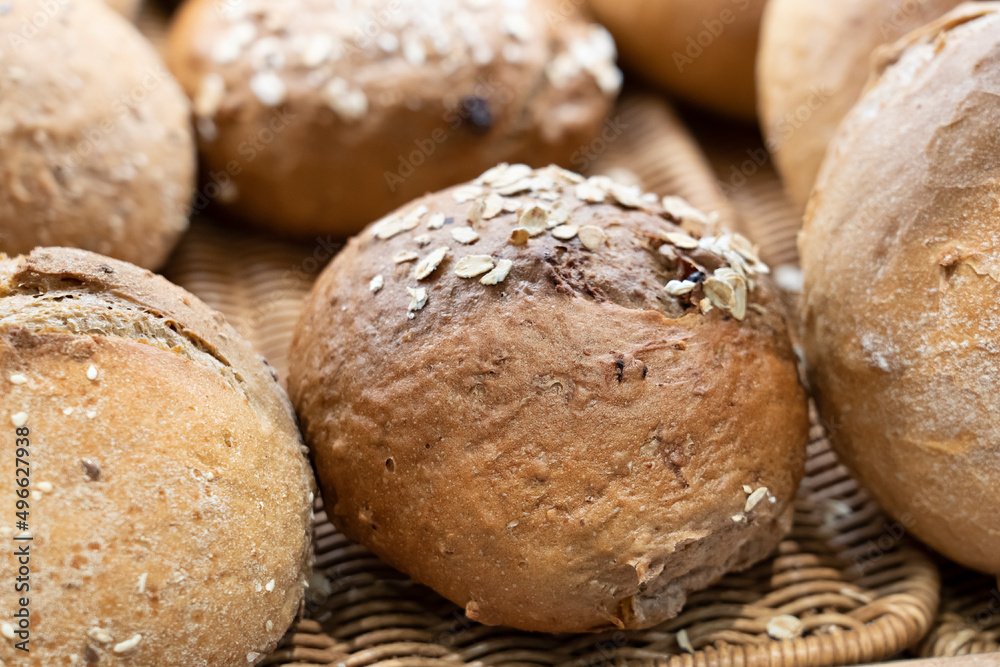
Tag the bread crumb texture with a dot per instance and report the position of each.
(558, 438)
(170, 505)
(902, 285)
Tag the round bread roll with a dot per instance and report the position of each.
(902, 297)
(701, 51)
(812, 67)
(96, 149)
(168, 501)
(127, 8)
(545, 398)
(317, 116)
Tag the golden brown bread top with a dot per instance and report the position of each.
(568, 446)
(899, 253)
(326, 116)
(813, 64)
(350, 56)
(95, 135)
(168, 485)
(701, 51)
(114, 298)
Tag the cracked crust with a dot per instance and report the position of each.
(572, 448)
(902, 285)
(173, 498)
(96, 148)
(316, 116)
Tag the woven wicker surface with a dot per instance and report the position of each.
(969, 619)
(856, 592)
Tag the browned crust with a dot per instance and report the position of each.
(812, 67)
(315, 162)
(96, 142)
(172, 494)
(701, 51)
(565, 450)
(901, 286)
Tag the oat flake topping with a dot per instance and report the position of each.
(534, 203)
(442, 36)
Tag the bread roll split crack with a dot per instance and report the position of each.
(170, 501)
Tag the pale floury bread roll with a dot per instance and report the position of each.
(96, 150)
(168, 497)
(562, 404)
(320, 116)
(902, 286)
(702, 51)
(812, 66)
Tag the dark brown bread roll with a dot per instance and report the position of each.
(317, 116)
(902, 285)
(169, 499)
(558, 403)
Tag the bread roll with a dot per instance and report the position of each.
(169, 499)
(127, 8)
(813, 64)
(701, 51)
(902, 300)
(317, 116)
(505, 402)
(96, 149)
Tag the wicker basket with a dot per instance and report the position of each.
(969, 619)
(854, 590)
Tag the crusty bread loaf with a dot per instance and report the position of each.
(812, 67)
(317, 116)
(902, 299)
(504, 401)
(702, 51)
(96, 149)
(169, 496)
